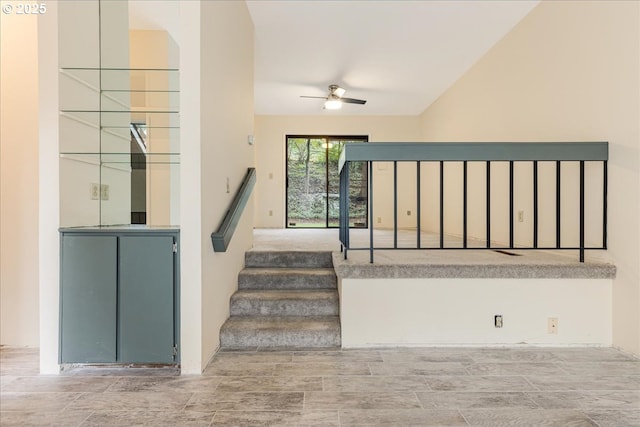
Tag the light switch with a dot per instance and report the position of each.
(94, 191)
(104, 192)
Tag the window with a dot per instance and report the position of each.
(313, 182)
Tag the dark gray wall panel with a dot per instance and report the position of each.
(88, 299)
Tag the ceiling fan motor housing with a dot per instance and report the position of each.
(335, 98)
(336, 91)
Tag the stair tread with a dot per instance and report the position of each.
(287, 278)
(279, 251)
(313, 271)
(277, 294)
(282, 323)
(280, 332)
(300, 259)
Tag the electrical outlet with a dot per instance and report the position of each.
(379, 220)
(270, 175)
(408, 213)
(497, 320)
(552, 325)
(94, 191)
(270, 213)
(520, 216)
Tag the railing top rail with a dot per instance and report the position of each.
(475, 151)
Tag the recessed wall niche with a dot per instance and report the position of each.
(119, 118)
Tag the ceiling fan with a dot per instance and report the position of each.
(335, 98)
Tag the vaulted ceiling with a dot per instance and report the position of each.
(398, 55)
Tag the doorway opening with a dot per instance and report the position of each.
(313, 182)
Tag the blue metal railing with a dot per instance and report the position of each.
(441, 153)
(222, 237)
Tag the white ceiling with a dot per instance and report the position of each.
(398, 55)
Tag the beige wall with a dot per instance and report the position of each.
(216, 60)
(18, 180)
(568, 72)
(415, 312)
(270, 137)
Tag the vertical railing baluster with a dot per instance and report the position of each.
(441, 204)
(347, 201)
(488, 180)
(341, 212)
(371, 212)
(326, 166)
(558, 172)
(511, 204)
(604, 204)
(464, 204)
(582, 211)
(418, 203)
(395, 205)
(535, 204)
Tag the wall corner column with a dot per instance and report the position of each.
(49, 190)
(190, 191)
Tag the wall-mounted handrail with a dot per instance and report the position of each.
(222, 237)
(481, 152)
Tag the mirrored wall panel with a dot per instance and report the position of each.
(119, 118)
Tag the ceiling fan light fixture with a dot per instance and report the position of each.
(334, 99)
(338, 91)
(333, 104)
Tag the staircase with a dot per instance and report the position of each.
(284, 299)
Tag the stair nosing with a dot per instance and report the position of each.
(286, 291)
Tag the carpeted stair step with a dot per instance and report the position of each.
(285, 303)
(287, 278)
(288, 259)
(280, 331)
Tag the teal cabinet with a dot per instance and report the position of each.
(146, 300)
(89, 294)
(119, 296)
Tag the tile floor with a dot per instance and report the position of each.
(377, 387)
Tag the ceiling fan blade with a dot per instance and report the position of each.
(319, 97)
(353, 101)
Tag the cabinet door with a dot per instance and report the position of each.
(146, 327)
(88, 299)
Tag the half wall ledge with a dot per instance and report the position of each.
(469, 264)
